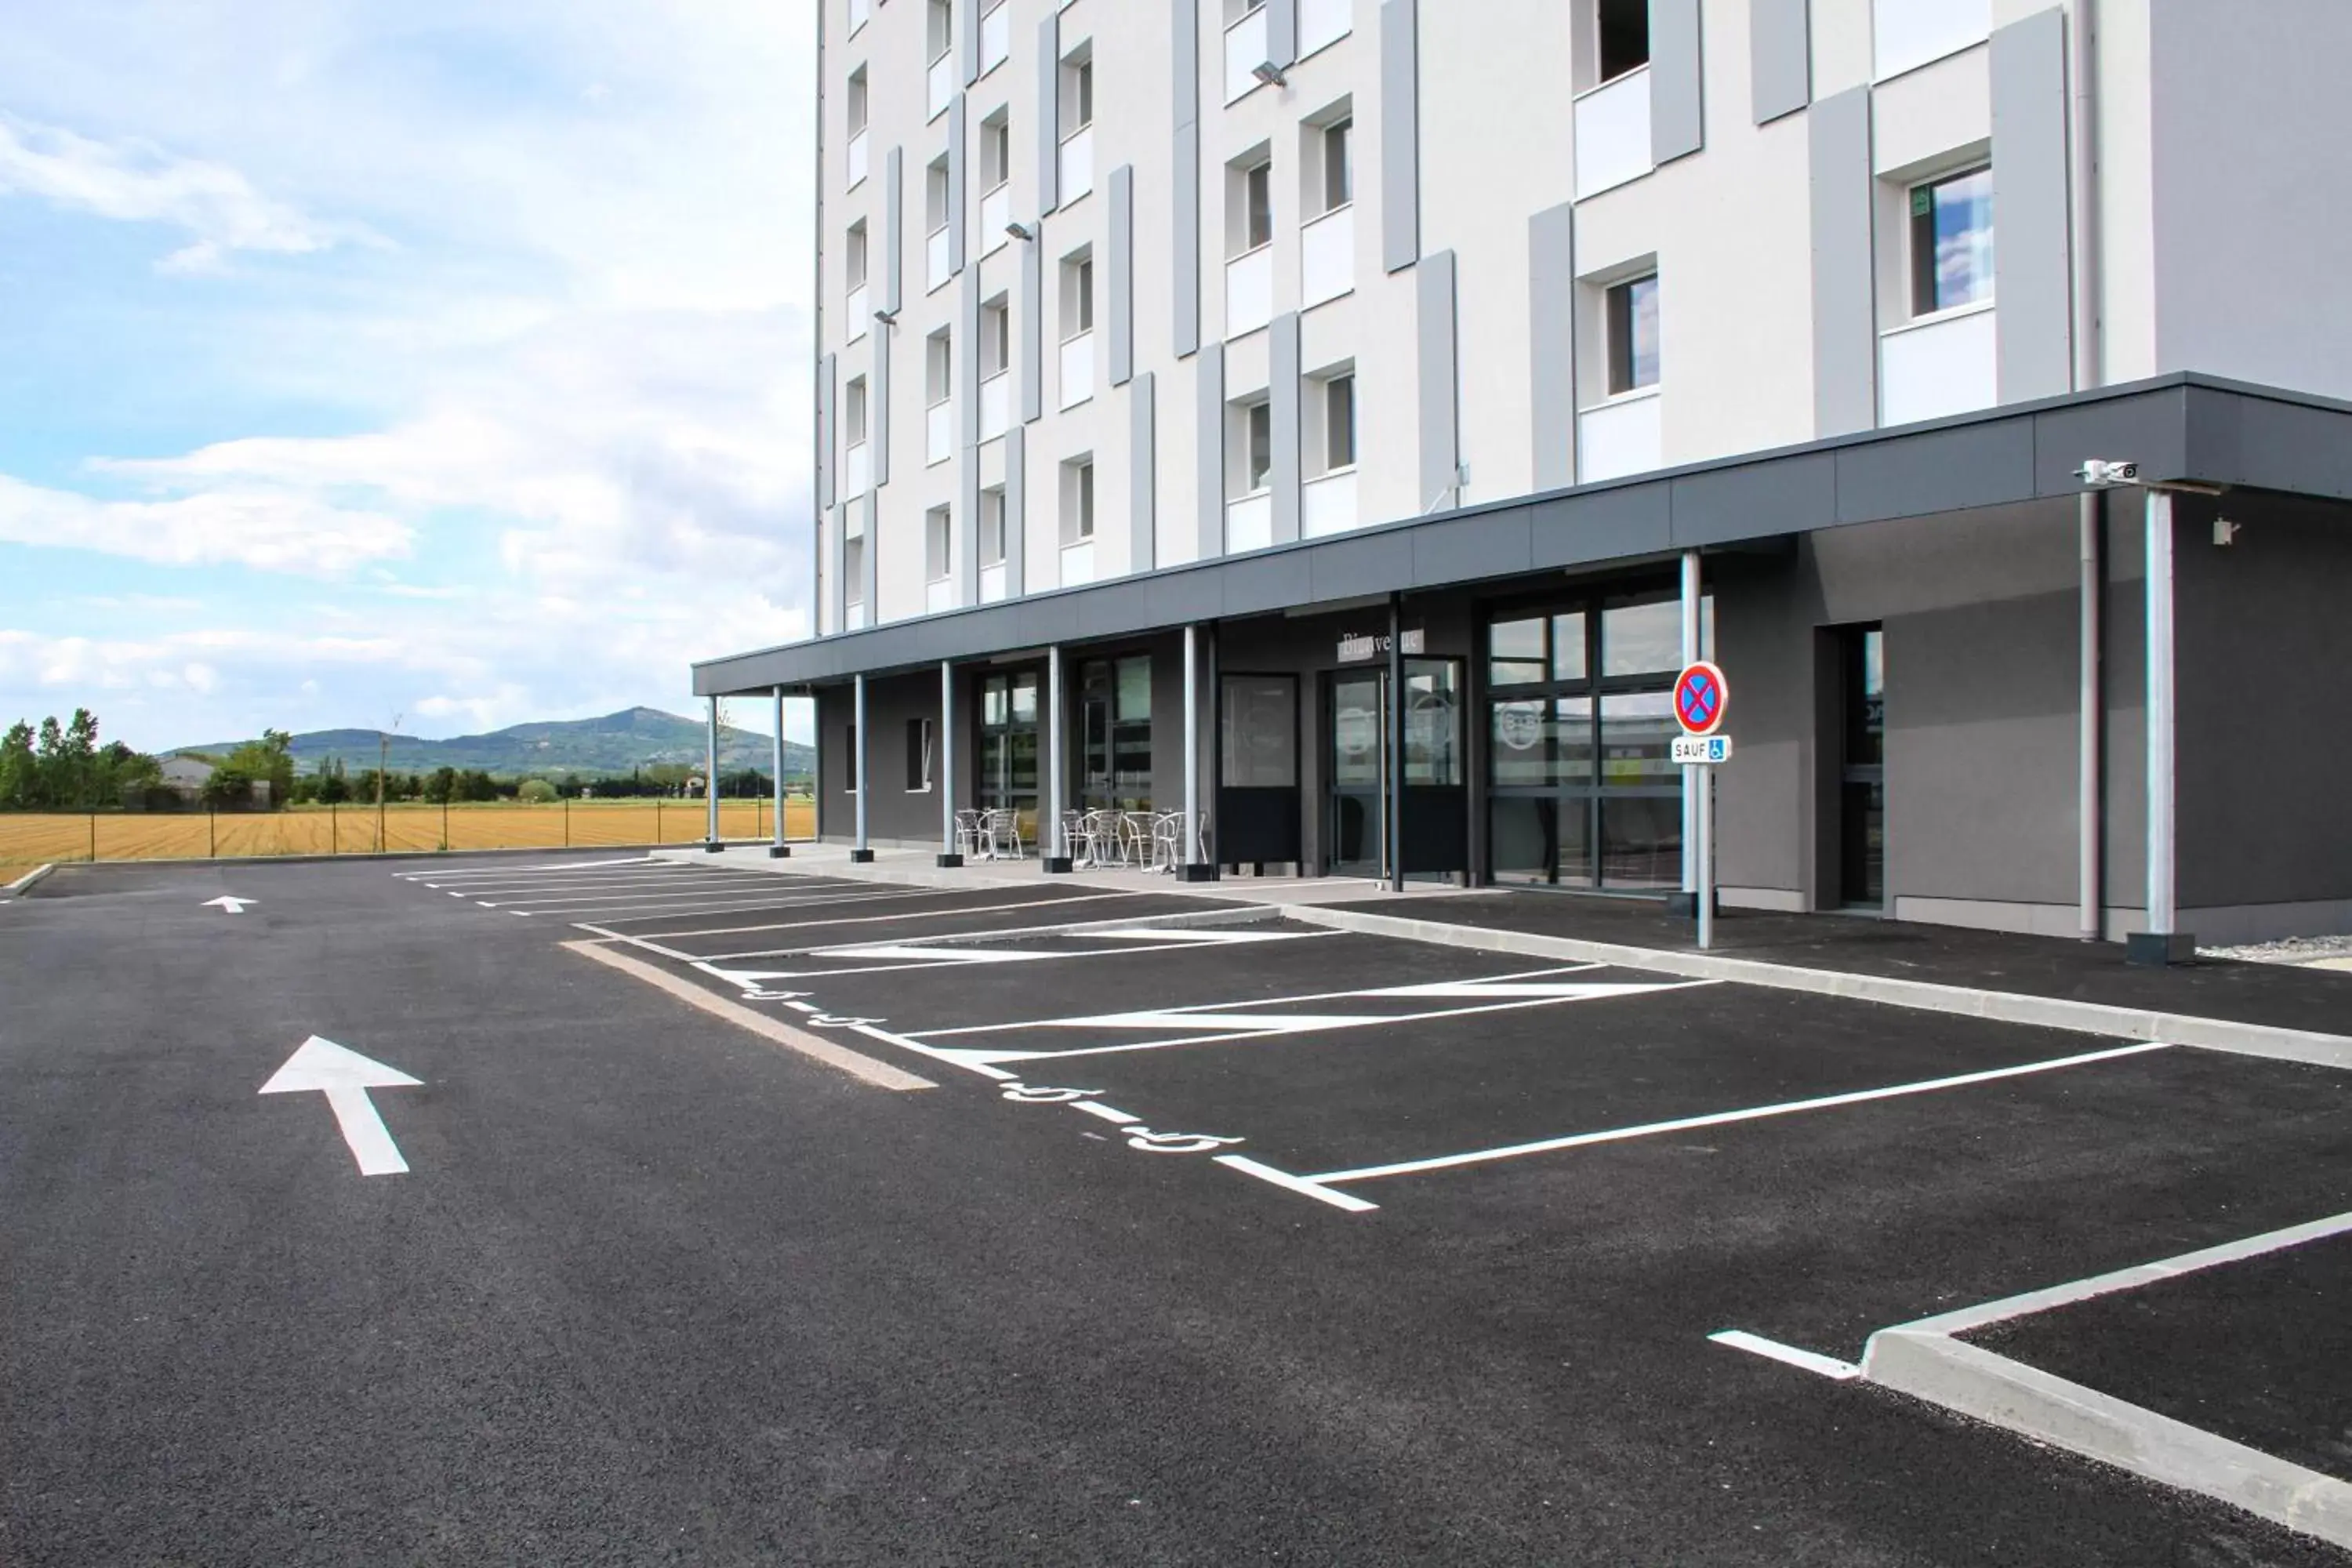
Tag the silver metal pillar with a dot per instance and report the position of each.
(777, 849)
(2090, 724)
(1054, 851)
(1704, 890)
(1693, 778)
(945, 766)
(1191, 746)
(2090, 805)
(863, 743)
(710, 782)
(2161, 914)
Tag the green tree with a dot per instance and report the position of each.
(19, 768)
(230, 788)
(270, 761)
(537, 792)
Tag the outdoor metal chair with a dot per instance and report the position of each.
(1001, 835)
(970, 833)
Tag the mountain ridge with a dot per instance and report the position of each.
(607, 745)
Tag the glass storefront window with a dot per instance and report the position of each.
(1008, 744)
(1642, 637)
(1115, 734)
(1637, 732)
(1568, 646)
(1642, 841)
(1515, 653)
(1433, 730)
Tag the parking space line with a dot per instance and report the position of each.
(1724, 1118)
(1772, 1350)
(452, 872)
(1301, 1184)
(1097, 1020)
(652, 947)
(919, 957)
(580, 885)
(920, 915)
(671, 892)
(803, 903)
(744, 901)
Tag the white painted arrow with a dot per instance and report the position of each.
(344, 1077)
(233, 905)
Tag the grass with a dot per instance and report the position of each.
(32, 838)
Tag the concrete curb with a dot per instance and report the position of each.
(2002, 1007)
(1980, 1383)
(24, 884)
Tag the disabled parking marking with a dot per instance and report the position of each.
(1220, 1022)
(1725, 1118)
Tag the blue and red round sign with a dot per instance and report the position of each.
(1701, 695)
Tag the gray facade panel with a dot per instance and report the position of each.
(1184, 60)
(1253, 584)
(1627, 520)
(869, 591)
(967, 24)
(1282, 388)
(1552, 344)
(1400, 134)
(1185, 193)
(877, 410)
(1789, 495)
(1944, 469)
(1033, 328)
(1439, 383)
(959, 219)
(2032, 264)
(1209, 477)
(2251, 439)
(1282, 31)
(1677, 96)
(2149, 428)
(836, 524)
(1470, 548)
(894, 225)
(1046, 114)
(1121, 245)
(1143, 473)
(1845, 324)
(966, 360)
(1343, 568)
(1780, 57)
(1016, 511)
(826, 376)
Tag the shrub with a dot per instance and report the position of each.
(535, 792)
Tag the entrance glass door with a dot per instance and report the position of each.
(1355, 792)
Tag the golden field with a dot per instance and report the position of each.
(31, 838)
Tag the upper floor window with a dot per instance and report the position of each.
(853, 412)
(1621, 37)
(854, 256)
(1951, 242)
(1257, 446)
(995, 150)
(1633, 333)
(1338, 164)
(995, 337)
(1078, 295)
(939, 33)
(1340, 422)
(1253, 186)
(859, 107)
(1077, 91)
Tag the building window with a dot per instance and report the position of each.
(919, 756)
(995, 338)
(1258, 205)
(1340, 422)
(1621, 37)
(1115, 734)
(1951, 242)
(1077, 295)
(853, 412)
(992, 526)
(859, 107)
(852, 571)
(1257, 446)
(1008, 747)
(854, 256)
(995, 150)
(1633, 334)
(937, 544)
(1339, 165)
(939, 30)
(1078, 91)
(1078, 500)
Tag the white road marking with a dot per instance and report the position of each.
(452, 873)
(344, 1077)
(919, 915)
(815, 899)
(1827, 1366)
(934, 957)
(876, 1032)
(229, 905)
(1301, 1184)
(741, 901)
(1723, 1118)
(1097, 1108)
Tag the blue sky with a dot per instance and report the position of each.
(443, 359)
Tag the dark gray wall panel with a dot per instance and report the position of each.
(1439, 383)
(2149, 428)
(1846, 286)
(963, 530)
(1400, 134)
(2031, 265)
(1347, 566)
(1046, 115)
(871, 593)
(877, 405)
(1033, 328)
(1677, 95)
(2249, 439)
(1460, 548)
(1143, 473)
(1552, 344)
(1282, 31)
(1281, 393)
(826, 429)
(1016, 511)
(894, 225)
(1209, 473)
(1780, 57)
(1627, 520)
(965, 357)
(1253, 585)
(958, 220)
(1121, 245)
(1788, 495)
(1960, 465)
(1184, 177)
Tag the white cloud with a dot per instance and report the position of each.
(136, 182)
(272, 531)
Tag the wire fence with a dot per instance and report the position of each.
(32, 838)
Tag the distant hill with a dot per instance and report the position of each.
(616, 743)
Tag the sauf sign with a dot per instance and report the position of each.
(1702, 699)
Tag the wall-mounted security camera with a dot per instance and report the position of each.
(2225, 532)
(2100, 472)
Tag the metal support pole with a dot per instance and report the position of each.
(1395, 744)
(777, 849)
(2089, 725)
(1705, 889)
(2161, 944)
(711, 782)
(862, 853)
(943, 766)
(1054, 852)
(1694, 778)
(1191, 751)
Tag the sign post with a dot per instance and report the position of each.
(1701, 698)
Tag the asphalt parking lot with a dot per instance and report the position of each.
(1220, 1238)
